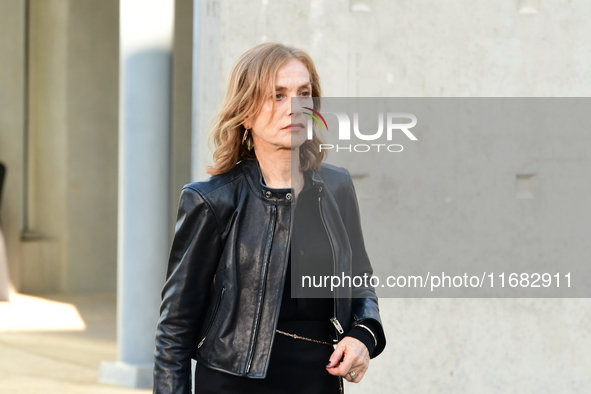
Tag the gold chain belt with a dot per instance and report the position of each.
(295, 336)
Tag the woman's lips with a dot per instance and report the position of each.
(294, 126)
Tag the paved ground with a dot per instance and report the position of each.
(54, 344)
(41, 354)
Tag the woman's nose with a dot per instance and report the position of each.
(296, 106)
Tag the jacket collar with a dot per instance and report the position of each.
(317, 181)
(252, 172)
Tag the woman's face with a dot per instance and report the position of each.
(283, 127)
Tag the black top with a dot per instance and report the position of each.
(312, 255)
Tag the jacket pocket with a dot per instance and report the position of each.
(213, 317)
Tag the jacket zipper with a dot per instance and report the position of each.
(262, 282)
(213, 316)
(334, 320)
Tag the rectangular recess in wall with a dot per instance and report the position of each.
(524, 186)
(528, 6)
(360, 5)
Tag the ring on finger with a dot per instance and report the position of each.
(353, 374)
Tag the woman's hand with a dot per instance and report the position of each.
(350, 360)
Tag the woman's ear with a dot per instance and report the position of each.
(247, 123)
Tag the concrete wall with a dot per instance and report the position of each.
(44, 259)
(182, 102)
(11, 125)
(405, 48)
(92, 145)
(516, 48)
(69, 233)
(63, 236)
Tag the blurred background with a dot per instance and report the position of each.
(104, 107)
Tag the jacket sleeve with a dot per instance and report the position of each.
(365, 301)
(194, 256)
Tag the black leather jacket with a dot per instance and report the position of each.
(227, 268)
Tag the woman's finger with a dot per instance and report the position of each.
(350, 360)
(339, 363)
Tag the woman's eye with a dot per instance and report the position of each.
(280, 96)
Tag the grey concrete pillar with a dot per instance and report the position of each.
(209, 82)
(146, 29)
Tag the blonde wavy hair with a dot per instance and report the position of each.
(250, 80)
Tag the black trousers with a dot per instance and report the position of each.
(296, 366)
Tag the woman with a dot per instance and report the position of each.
(227, 297)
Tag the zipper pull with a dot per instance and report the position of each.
(337, 325)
